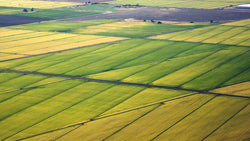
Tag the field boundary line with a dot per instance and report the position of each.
(180, 31)
(11, 53)
(242, 42)
(230, 45)
(200, 59)
(238, 41)
(217, 34)
(11, 78)
(120, 102)
(112, 42)
(159, 62)
(66, 133)
(225, 122)
(230, 37)
(33, 60)
(206, 31)
(2, 37)
(31, 43)
(116, 53)
(34, 105)
(26, 89)
(58, 112)
(117, 67)
(126, 83)
(42, 42)
(19, 88)
(222, 85)
(151, 110)
(114, 114)
(15, 34)
(29, 37)
(224, 24)
(67, 43)
(14, 95)
(199, 107)
(216, 67)
(61, 61)
(139, 56)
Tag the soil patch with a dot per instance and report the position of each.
(8, 20)
(173, 14)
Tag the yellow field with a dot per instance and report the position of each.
(238, 89)
(19, 43)
(109, 27)
(239, 23)
(36, 4)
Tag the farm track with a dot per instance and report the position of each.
(119, 82)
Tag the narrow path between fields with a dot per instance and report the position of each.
(119, 82)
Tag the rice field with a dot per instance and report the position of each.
(70, 86)
(36, 4)
(58, 12)
(18, 43)
(108, 27)
(218, 34)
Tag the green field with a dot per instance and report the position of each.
(218, 34)
(59, 13)
(208, 4)
(108, 27)
(87, 80)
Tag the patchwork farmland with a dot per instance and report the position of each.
(124, 80)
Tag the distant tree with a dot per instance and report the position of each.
(152, 21)
(25, 10)
(144, 20)
(32, 9)
(211, 21)
(159, 22)
(191, 22)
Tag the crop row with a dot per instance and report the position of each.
(237, 89)
(108, 27)
(166, 63)
(212, 115)
(214, 34)
(31, 43)
(60, 26)
(239, 23)
(48, 103)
